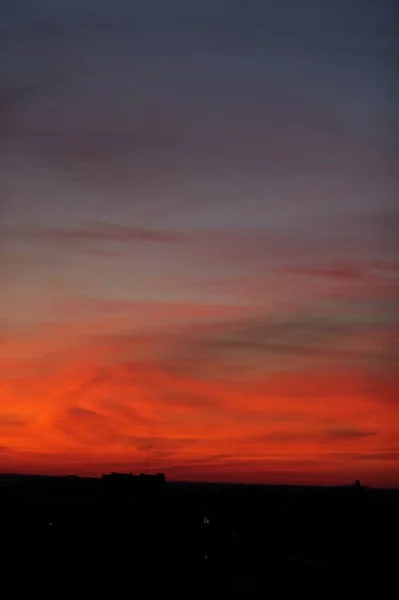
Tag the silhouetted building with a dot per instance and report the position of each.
(125, 486)
(153, 481)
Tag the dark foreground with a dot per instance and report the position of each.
(63, 536)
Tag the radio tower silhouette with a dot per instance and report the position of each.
(148, 459)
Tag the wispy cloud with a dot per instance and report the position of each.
(303, 435)
(379, 456)
(340, 272)
(88, 427)
(261, 341)
(348, 434)
(106, 232)
(11, 420)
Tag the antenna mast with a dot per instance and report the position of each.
(148, 459)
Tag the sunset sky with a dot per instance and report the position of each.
(198, 209)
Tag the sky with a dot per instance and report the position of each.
(198, 208)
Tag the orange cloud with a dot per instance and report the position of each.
(101, 404)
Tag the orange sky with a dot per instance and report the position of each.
(198, 223)
(212, 404)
